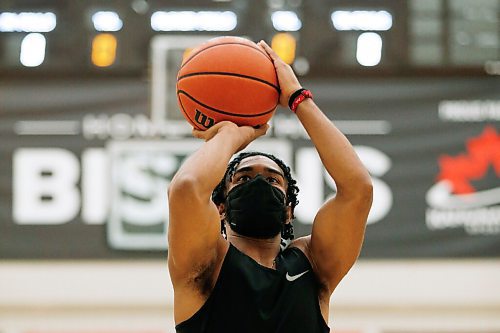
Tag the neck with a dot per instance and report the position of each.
(263, 251)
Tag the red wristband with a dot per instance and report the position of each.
(300, 98)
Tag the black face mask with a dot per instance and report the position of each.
(256, 209)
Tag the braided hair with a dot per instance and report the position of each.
(219, 193)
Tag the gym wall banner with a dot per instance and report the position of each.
(84, 167)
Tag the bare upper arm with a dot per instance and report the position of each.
(337, 236)
(194, 238)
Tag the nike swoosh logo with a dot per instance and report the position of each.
(292, 278)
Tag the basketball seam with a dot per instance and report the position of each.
(231, 74)
(225, 112)
(229, 43)
(186, 114)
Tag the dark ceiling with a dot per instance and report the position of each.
(427, 37)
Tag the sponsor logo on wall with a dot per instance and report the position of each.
(466, 193)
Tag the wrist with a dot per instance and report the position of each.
(305, 104)
(298, 97)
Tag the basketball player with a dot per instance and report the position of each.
(241, 280)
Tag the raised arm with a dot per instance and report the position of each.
(194, 224)
(339, 226)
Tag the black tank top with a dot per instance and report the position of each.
(251, 298)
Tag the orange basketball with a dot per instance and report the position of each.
(227, 78)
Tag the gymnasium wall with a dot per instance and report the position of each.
(83, 213)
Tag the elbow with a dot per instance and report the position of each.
(180, 187)
(364, 188)
(364, 194)
(367, 191)
(359, 192)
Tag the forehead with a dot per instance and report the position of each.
(257, 161)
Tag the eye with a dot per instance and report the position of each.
(242, 179)
(272, 180)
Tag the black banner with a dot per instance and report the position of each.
(84, 169)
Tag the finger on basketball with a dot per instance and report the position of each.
(262, 129)
(268, 50)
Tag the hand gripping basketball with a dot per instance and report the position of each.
(288, 82)
(245, 134)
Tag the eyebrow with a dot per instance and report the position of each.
(250, 168)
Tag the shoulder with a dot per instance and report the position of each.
(302, 244)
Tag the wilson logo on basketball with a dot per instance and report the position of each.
(467, 193)
(203, 119)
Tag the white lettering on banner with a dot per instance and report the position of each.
(141, 172)
(312, 192)
(477, 212)
(122, 126)
(467, 110)
(378, 164)
(142, 180)
(45, 186)
(475, 221)
(94, 127)
(95, 186)
(309, 173)
(139, 211)
(124, 185)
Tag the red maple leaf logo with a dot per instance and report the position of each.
(482, 151)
